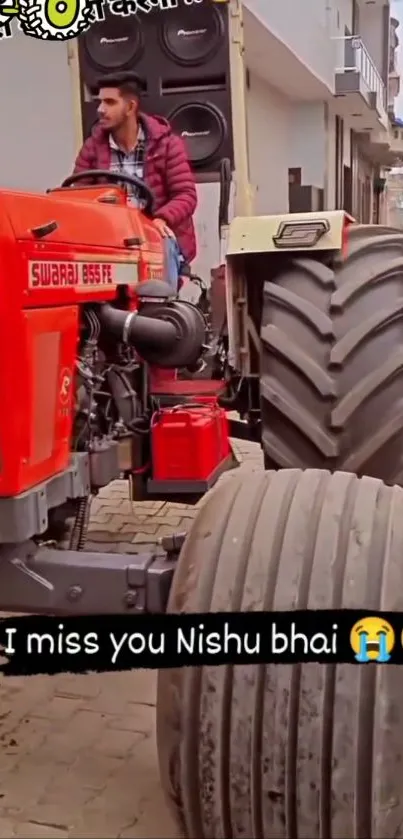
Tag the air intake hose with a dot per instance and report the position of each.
(170, 334)
(143, 333)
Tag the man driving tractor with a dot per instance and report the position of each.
(128, 141)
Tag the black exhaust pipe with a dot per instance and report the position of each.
(143, 333)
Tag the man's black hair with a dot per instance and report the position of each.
(128, 84)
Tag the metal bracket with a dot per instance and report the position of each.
(50, 581)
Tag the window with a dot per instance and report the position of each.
(294, 177)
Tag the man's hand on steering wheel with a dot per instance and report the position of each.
(114, 178)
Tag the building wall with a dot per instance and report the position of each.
(394, 75)
(308, 142)
(37, 136)
(303, 28)
(284, 134)
(339, 16)
(393, 38)
(330, 170)
(393, 89)
(269, 128)
(206, 224)
(394, 199)
(371, 32)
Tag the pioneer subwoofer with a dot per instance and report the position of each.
(111, 45)
(182, 58)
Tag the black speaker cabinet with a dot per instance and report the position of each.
(182, 58)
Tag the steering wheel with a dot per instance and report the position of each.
(114, 178)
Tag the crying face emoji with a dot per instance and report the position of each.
(372, 639)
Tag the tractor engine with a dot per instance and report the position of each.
(116, 348)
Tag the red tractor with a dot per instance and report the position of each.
(311, 359)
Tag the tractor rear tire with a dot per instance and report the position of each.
(279, 751)
(332, 360)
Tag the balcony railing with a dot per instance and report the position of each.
(353, 57)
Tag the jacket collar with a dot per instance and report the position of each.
(155, 129)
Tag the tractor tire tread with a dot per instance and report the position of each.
(305, 750)
(332, 359)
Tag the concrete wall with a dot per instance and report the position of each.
(371, 32)
(339, 16)
(304, 28)
(330, 177)
(206, 223)
(269, 129)
(308, 142)
(330, 168)
(394, 200)
(37, 135)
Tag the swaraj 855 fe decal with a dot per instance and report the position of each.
(80, 275)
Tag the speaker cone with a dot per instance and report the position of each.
(114, 43)
(202, 127)
(191, 38)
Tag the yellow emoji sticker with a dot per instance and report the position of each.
(372, 639)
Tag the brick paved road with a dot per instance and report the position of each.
(77, 753)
